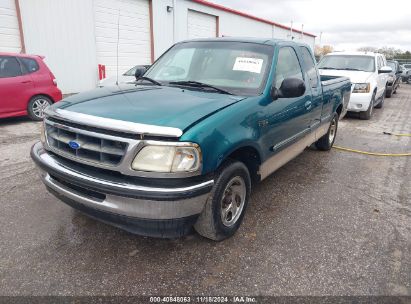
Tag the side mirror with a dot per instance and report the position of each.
(290, 88)
(385, 69)
(140, 71)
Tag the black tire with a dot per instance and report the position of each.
(388, 94)
(326, 142)
(37, 105)
(366, 115)
(396, 88)
(210, 223)
(381, 103)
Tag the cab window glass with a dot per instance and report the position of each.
(30, 65)
(309, 66)
(380, 63)
(9, 67)
(288, 66)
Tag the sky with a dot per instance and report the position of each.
(345, 24)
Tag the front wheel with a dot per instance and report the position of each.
(326, 142)
(381, 103)
(366, 115)
(37, 105)
(225, 208)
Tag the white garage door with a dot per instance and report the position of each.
(134, 39)
(200, 25)
(9, 27)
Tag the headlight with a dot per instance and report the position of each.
(361, 88)
(167, 159)
(42, 132)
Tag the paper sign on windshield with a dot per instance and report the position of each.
(253, 65)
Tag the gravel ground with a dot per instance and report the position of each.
(327, 223)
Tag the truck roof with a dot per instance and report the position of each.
(268, 41)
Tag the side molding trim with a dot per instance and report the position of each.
(287, 154)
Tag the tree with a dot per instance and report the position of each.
(324, 50)
(367, 49)
(389, 52)
(406, 56)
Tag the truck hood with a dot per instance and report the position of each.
(355, 76)
(152, 105)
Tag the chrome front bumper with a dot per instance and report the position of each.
(118, 196)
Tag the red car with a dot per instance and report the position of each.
(27, 86)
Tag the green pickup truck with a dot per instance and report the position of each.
(182, 146)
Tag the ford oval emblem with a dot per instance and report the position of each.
(74, 145)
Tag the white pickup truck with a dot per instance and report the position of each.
(368, 73)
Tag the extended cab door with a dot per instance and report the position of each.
(313, 82)
(287, 119)
(13, 86)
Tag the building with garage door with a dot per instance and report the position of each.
(76, 36)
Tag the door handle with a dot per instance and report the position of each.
(307, 105)
(26, 81)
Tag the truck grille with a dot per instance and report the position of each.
(85, 147)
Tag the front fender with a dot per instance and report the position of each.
(226, 131)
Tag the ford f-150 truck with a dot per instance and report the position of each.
(182, 146)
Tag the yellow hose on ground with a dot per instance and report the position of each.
(370, 153)
(388, 133)
(375, 153)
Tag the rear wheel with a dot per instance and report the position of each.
(389, 93)
(367, 114)
(225, 208)
(326, 142)
(37, 105)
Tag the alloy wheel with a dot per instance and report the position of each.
(39, 105)
(233, 200)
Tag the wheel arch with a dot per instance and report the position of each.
(41, 94)
(339, 109)
(248, 154)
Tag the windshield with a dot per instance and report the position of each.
(236, 67)
(407, 66)
(348, 62)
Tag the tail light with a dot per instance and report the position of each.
(53, 79)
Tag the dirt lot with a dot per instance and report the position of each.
(334, 223)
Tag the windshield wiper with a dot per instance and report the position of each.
(351, 69)
(197, 84)
(149, 80)
(327, 68)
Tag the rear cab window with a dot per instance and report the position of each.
(309, 66)
(380, 63)
(30, 65)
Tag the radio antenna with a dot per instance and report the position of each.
(118, 39)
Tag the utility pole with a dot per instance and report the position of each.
(302, 31)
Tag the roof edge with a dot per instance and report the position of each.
(236, 12)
